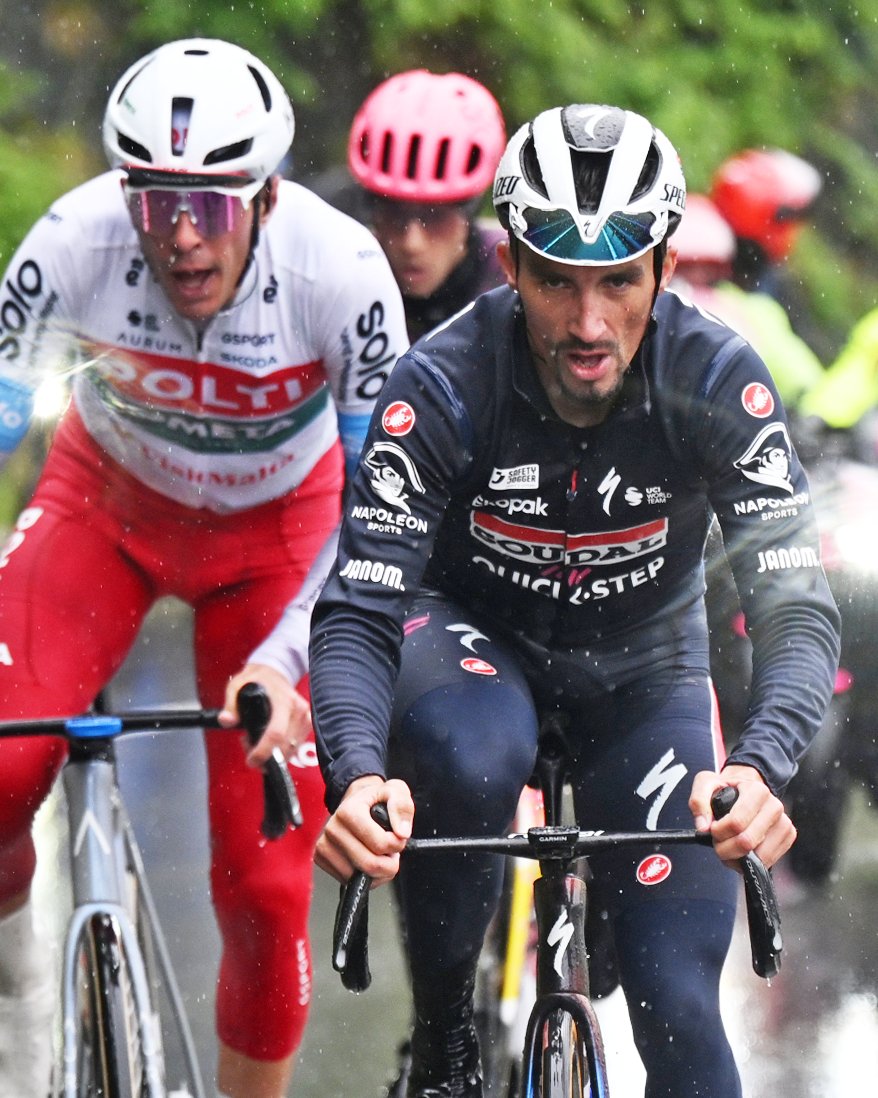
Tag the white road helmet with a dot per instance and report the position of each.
(590, 185)
(205, 111)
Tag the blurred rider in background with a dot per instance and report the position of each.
(732, 276)
(769, 197)
(235, 331)
(424, 148)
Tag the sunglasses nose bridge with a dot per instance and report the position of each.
(185, 230)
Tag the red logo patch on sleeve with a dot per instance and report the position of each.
(398, 418)
(757, 399)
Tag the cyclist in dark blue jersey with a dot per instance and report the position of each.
(525, 533)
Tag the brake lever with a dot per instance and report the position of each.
(763, 913)
(350, 935)
(282, 808)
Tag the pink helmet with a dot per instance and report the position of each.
(425, 137)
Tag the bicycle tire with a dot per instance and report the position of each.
(110, 1064)
(564, 1052)
(565, 1063)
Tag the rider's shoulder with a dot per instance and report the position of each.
(688, 339)
(93, 212)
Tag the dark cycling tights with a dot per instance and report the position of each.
(464, 738)
(674, 1010)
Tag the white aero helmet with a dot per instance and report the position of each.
(204, 112)
(590, 185)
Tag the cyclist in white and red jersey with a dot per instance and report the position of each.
(234, 331)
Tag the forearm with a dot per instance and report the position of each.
(794, 664)
(353, 672)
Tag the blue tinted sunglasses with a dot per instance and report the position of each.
(554, 233)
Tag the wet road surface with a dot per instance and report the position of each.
(812, 1034)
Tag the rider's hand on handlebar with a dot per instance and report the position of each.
(756, 822)
(353, 840)
(290, 723)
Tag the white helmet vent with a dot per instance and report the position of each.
(181, 112)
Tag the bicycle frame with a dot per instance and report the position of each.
(102, 851)
(560, 899)
(114, 925)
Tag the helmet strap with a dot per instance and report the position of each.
(263, 196)
(658, 261)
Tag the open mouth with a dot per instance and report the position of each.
(191, 284)
(588, 365)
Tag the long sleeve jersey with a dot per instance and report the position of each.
(224, 416)
(579, 539)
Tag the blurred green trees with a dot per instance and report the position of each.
(716, 77)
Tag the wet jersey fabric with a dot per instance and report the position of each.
(225, 416)
(583, 544)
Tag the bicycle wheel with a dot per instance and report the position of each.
(110, 1064)
(565, 1064)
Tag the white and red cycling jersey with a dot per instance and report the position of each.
(230, 413)
(199, 461)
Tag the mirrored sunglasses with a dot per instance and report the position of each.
(554, 233)
(156, 212)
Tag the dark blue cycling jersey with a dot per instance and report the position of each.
(583, 542)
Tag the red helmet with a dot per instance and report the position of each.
(704, 235)
(765, 195)
(422, 137)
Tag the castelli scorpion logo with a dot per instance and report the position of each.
(654, 869)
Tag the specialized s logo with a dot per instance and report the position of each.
(767, 459)
(660, 782)
(560, 936)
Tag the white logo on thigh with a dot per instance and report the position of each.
(662, 780)
(28, 517)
